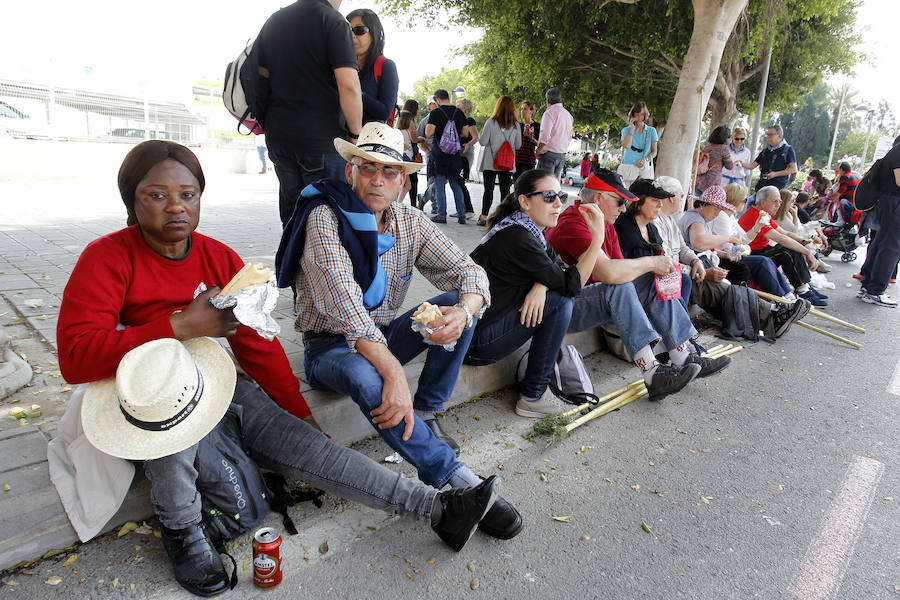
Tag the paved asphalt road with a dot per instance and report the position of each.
(775, 479)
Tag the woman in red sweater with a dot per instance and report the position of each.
(136, 285)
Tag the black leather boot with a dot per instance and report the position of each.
(198, 566)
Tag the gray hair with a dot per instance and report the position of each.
(778, 129)
(764, 192)
(554, 96)
(586, 194)
(670, 184)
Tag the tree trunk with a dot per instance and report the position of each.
(713, 22)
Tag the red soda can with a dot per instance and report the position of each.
(267, 558)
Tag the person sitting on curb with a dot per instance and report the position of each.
(794, 258)
(129, 324)
(351, 254)
(695, 229)
(623, 292)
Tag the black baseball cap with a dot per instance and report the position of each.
(648, 187)
(604, 180)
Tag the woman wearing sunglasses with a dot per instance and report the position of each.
(532, 290)
(740, 156)
(377, 75)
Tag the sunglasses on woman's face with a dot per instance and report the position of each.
(739, 139)
(359, 30)
(550, 196)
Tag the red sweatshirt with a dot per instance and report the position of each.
(120, 279)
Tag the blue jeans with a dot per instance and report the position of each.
(766, 275)
(638, 314)
(440, 195)
(553, 162)
(281, 442)
(297, 170)
(330, 364)
(686, 286)
(261, 151)
(502, 337)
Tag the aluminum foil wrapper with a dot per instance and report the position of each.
(252, 306)
(425, 330)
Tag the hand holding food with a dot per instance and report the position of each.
(251, 274)
(427, 312)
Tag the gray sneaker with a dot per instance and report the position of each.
(670, 379)
(547, 404)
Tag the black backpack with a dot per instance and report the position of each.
(740, 314)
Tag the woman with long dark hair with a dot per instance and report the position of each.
(719, 158)
(532, 290)
(499, 129)
(377, 75)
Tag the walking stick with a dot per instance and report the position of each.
(829, 334)
(812, 311)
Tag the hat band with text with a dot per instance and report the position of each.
(168, 423)
(382, 149)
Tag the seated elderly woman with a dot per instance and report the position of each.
(129, 298)
(763, 272)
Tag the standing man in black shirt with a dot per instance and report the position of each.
(776, 162)
(884, 251)
(306, 51)
(446, 166)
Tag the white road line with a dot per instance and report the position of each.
(894, 386)
(823, 567)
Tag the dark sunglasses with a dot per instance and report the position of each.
(359, 30)
(550, 196)
(739, 139)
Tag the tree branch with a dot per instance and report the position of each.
(666, 66)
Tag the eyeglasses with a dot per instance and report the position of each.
(550, 196)
(390, 173)
(771, 134)
(739, 139)
(359, 30)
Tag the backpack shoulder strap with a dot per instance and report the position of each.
(379, 63)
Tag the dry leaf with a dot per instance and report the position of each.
(6, 487)
(474, 584)
(705, 500)
(70, 561)
(127, 528)
(65, 388)
(115, 582)
(543, 476)
(55, 580)
(646, 527)
(607, 480)
(564, 519)
(411, 576)
(585, 538)
(430, 561)
(12, 583)
(471, 566)
(132, 587)
(779, 487)
(636, 488)
(323, 549)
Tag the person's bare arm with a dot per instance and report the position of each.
(623, 270)
(788, 242)
(429, 130)
(897, 177)
(350, 98)
(396, 401)
(700, 240)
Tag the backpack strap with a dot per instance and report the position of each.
(379, 62)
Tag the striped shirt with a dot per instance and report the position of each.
(328, 297)
(847, 185)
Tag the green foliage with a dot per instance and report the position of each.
(808, 126)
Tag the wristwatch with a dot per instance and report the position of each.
(469, 318)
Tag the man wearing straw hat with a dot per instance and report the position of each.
(350, 253)
(164, 400)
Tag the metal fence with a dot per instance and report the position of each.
(31, 110)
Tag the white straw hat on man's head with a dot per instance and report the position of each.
(378, 143)
(166, 396)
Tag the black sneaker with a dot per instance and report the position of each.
(783, 319)
(670, 379)
(461, 220)
(435, 428)
(502, 521)
(462, 509)
(198, 566)
(709, 366)
(438, 219)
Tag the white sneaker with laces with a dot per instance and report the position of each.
(547, 404)
(880, 300)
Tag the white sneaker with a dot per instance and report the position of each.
(547, 404)
(880, 300)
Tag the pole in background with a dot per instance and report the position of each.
(870, 116)
(757, 121)
(837, 122)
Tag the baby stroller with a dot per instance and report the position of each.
(842, 238)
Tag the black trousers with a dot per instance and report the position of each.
(506, 180)
(738, 272)
(791, 262)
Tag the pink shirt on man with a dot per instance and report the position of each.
(556, 129)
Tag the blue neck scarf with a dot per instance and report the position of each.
(517, 218)
(358, 233)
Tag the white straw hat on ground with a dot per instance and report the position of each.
(379, 143)
(166, 396)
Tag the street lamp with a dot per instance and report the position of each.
(870, 117)
(460, 91)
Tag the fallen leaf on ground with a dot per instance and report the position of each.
(564, 519)
(636, 488)
(585, 538)
(323, 549)
(430, 561)
(705, 500)
(411, 576)
(127, 528)
(6, 487)
(474, 584)
(646, 527)
(55, 580)
(70, 561)
(471, 566)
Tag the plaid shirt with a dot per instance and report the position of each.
(330, 300)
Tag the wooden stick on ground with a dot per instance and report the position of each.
(613, 394)
(829, 334)
(812, 311)
(610, 406)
